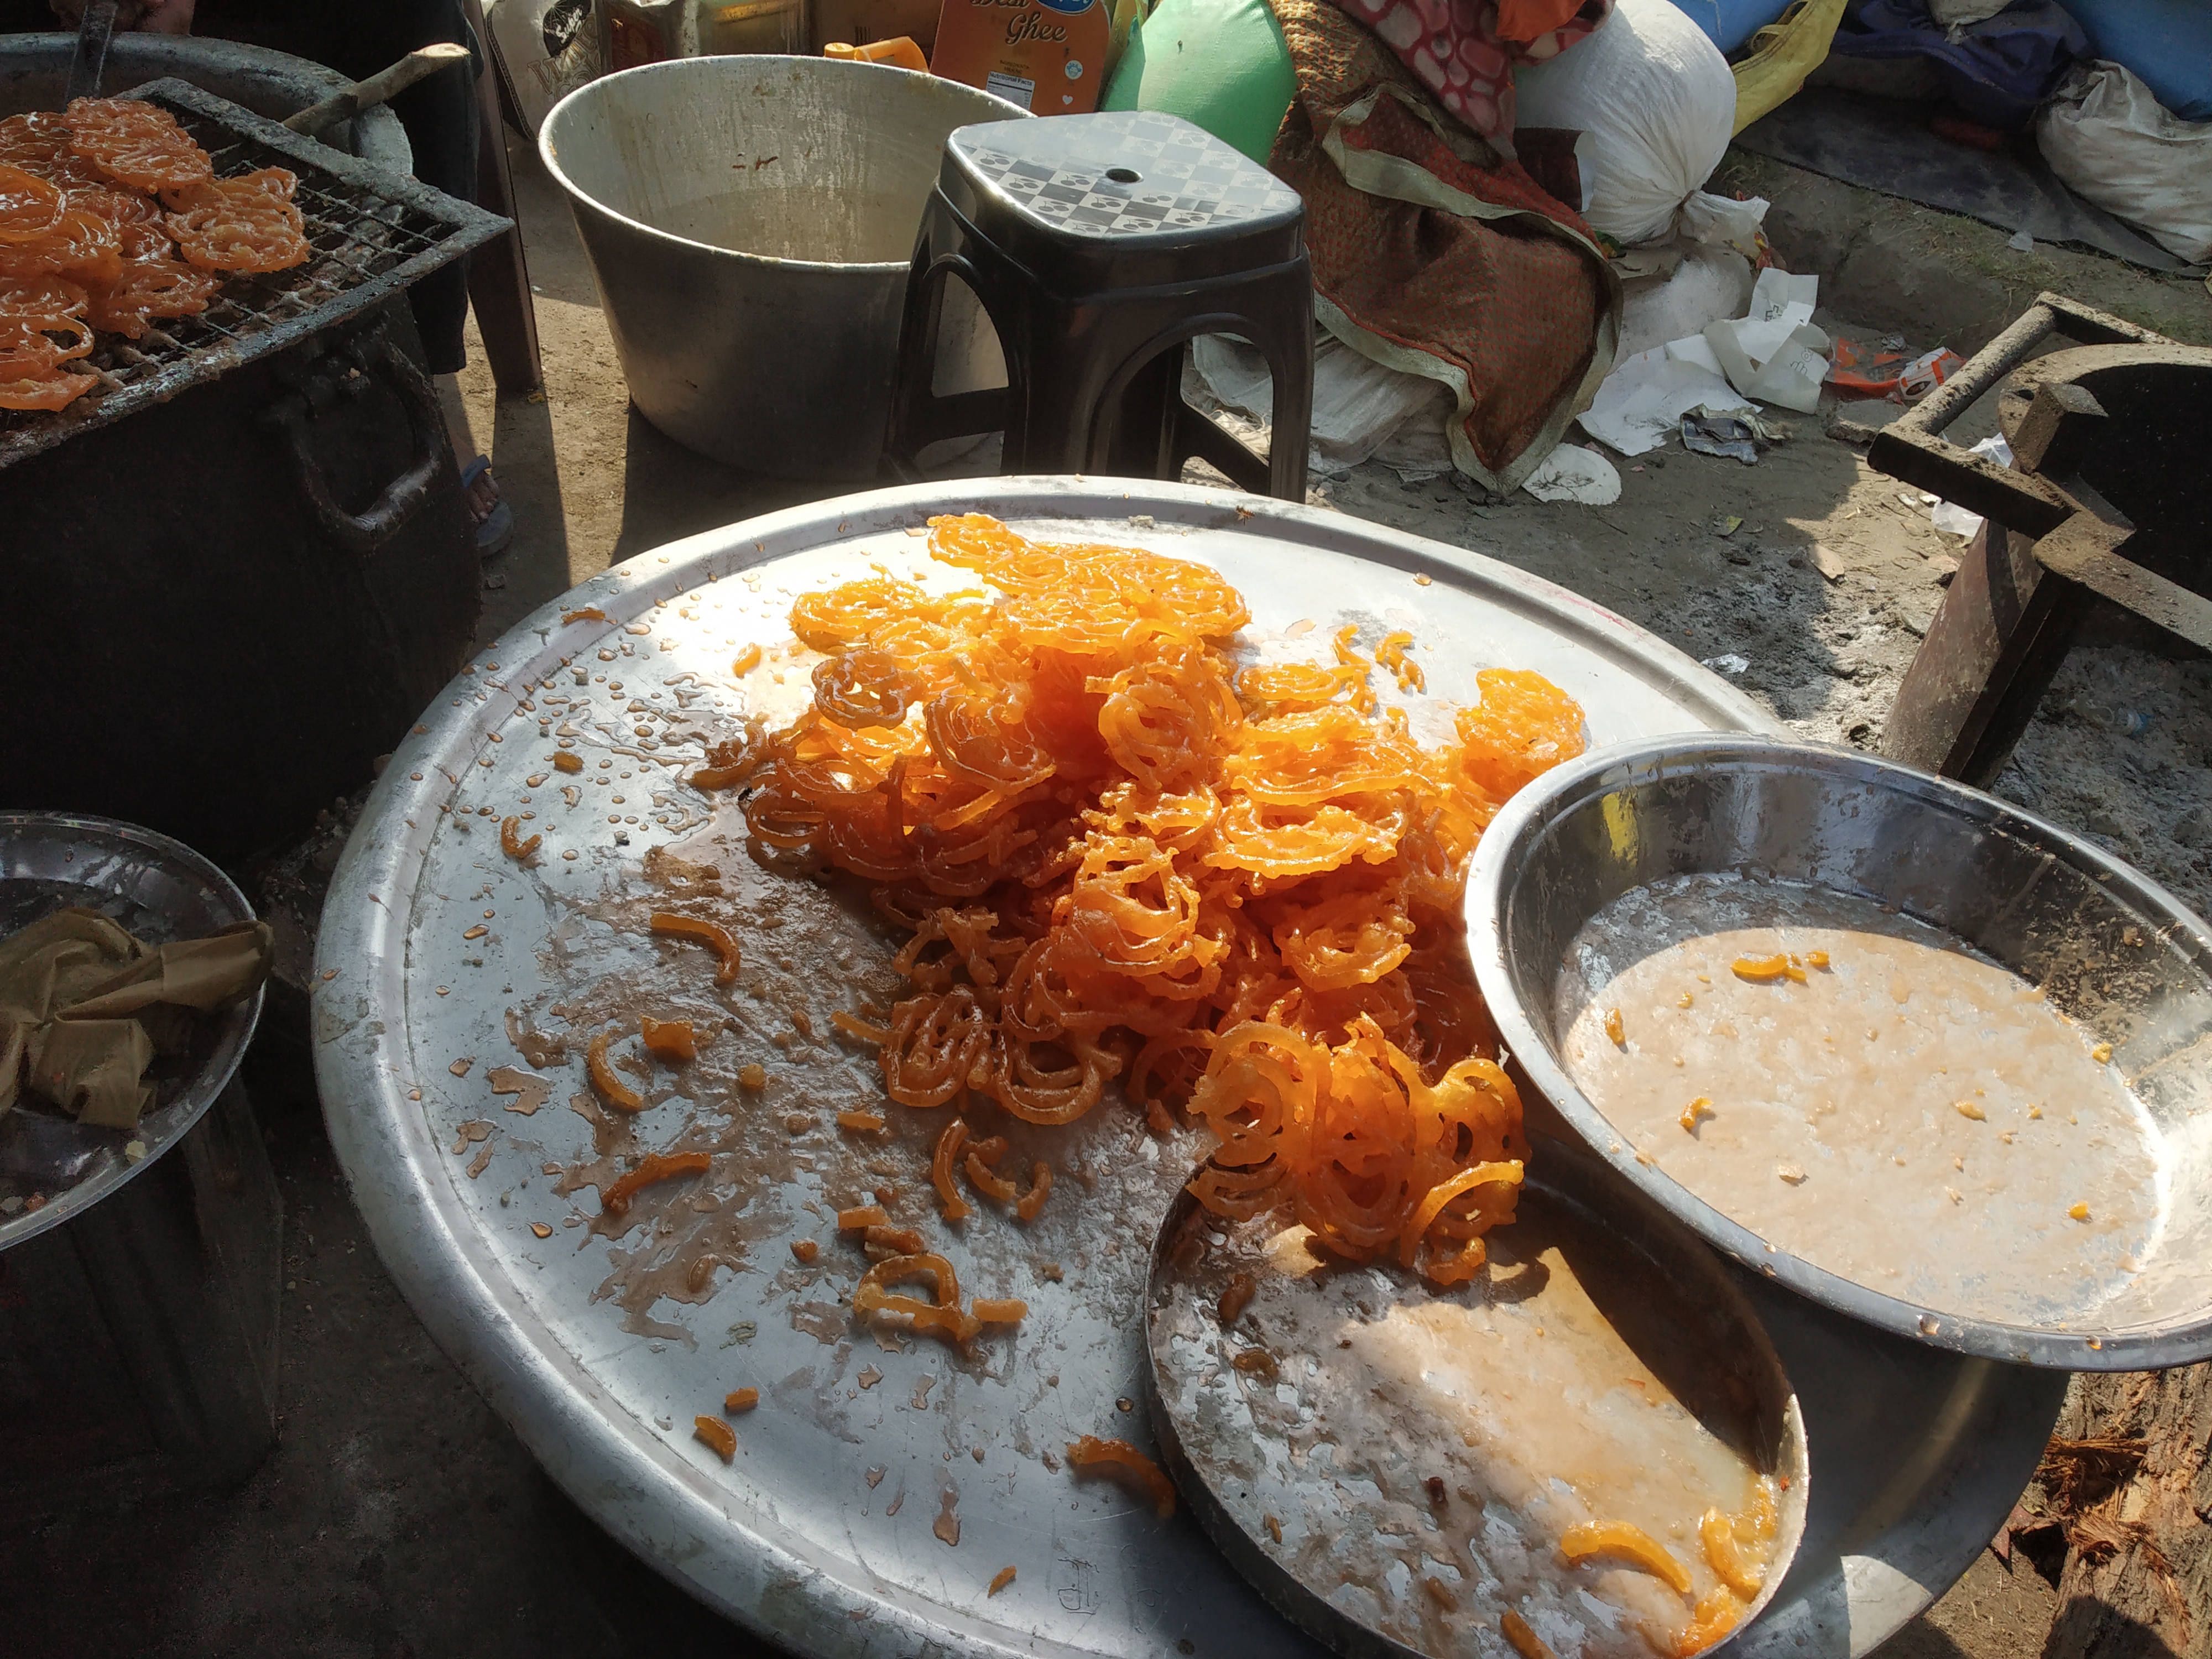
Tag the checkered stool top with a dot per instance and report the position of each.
(1136, 181)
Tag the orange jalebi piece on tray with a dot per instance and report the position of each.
(82, 247)
(136, 143)
(64, 336)
(33, 137)
(41, 296)
(1091, 1452)
(246, 224)
(280, 184)
(30, 208)
(150, 284)
(39, 142)
(35, 376)
(1114, 856)
(1353, 937)
(873, 1296)
(1524, 726)
(120, 208)
(1304, 840)
(1291, 688)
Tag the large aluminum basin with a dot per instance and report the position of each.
(750, 220)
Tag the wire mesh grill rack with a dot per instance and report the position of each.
(372, 232)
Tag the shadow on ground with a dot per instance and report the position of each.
(2089, 1627)
(396, 1518)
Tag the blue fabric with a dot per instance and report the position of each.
(1997, 72)
(1729, 24)
(2168, 43)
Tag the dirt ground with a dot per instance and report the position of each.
(398, 1517)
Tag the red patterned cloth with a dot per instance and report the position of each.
(1464, 52)
(1435, 255)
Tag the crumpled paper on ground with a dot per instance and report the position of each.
(1641, 404)
(84, 1007)
(1728, 437)
(1955, 520)
(1774, 354)
(1572, 473)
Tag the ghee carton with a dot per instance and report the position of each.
(1048, 56)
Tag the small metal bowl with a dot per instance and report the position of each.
(2112, 952)
(1309, 1474)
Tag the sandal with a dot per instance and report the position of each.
(496, 528)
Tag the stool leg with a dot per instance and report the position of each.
(917, 353)
(1069, 374)
(1198, 438)
(1189, 433)
(919, 416)
(1292, 361)
(1279, 323)
(1132, 422)
(1137, 434)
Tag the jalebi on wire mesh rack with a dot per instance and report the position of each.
(85, 244)
(1118, 859)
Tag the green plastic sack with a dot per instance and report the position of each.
(1220, 64)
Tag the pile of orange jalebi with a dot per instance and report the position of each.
(84, 243)
(1118, 857)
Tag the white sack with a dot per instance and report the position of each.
(2107, 136)
(1711, 283)
(1658, 101)
(1361, 410)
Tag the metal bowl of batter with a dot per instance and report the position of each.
(1897, 1045)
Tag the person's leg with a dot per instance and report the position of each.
(440, 115)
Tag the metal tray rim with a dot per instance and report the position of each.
(1529, 815)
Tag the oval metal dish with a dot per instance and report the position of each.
(2113, 952)
(791, 1539)
(1583, 1246)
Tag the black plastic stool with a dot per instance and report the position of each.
(1098, 244)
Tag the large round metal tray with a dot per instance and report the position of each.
(1924, 1453)
(161, 890)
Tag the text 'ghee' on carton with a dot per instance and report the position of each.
(1048, 56)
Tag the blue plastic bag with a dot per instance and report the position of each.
(1729, 23)
(2167, 44)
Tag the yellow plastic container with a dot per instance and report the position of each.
(899, 51)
